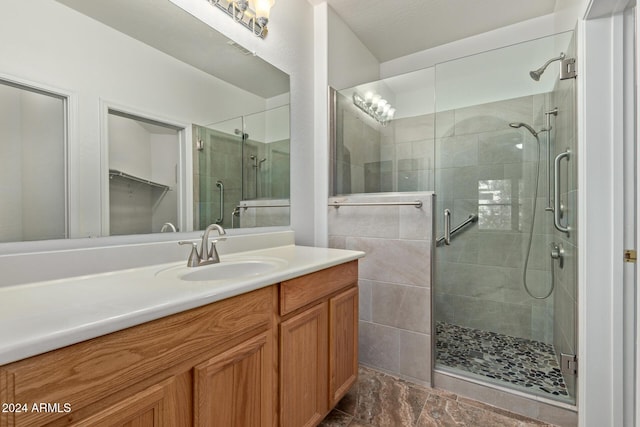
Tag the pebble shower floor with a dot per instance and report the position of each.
(531, 365)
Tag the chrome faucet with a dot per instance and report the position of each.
(206, 254)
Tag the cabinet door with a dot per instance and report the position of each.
(343, 344)
(303, 368)
(235, 388)
(151, 407)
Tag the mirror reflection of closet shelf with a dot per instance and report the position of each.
(154, 185)
(115, 172)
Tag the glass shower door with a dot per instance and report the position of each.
(217, 180)
(504, 309)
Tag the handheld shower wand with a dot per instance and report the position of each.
(527, 127)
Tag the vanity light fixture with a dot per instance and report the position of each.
(252, 14)
(375, 106)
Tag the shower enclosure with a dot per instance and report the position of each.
(241, 171)
(494, 136)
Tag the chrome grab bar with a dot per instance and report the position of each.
(553, 112)
(245, 207)
(220, 185)
(417, 204)
(447, 227)
(471, 218)
(558, 208)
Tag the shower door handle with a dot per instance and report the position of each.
(447, 227)
(220, 185)
(557, 208)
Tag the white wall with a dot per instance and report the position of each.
(129, 147)
(512, 34)
(276, 124)
(603, 312)
(64, 49)
(341, 61)
(349, 61)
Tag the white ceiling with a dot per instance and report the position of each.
(395, 28)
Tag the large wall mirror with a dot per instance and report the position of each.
(126, 117)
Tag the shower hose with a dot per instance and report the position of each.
(533, 222)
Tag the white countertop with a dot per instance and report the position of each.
(48, 315)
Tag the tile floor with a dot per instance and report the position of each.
(380, 400)
(529, 365)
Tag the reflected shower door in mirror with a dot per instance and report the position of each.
(33, 201)
(241, 171)
(118, 53)
(143, 175)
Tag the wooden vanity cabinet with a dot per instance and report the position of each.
(167, 372)
(281, 354)
(318, 343)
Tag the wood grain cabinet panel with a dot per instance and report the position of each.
(153, 407)
(318, 343)
(234, 389)
(303, 368)
(343, 344)
(304, 290)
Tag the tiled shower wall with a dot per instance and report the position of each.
(222, 158)
(273, 174)
(487, 168)
(394, 279)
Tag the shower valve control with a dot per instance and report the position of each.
(557, 252)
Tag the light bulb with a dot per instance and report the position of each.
(263, 8)
(391, 113)
(368, 97)
(382, 103)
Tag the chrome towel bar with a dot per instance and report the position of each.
(417, 204)
(245, 207)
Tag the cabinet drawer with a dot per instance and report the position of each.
(298, 292)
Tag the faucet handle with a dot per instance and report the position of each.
(194, 257)
(212, 255)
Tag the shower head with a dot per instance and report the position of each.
(535, 74)
(526, 126)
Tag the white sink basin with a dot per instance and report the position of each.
(228, 269)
